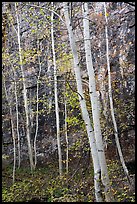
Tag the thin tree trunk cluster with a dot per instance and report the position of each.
(102, 183)
(111, 103)
(24, 94)
(95, 138)
(12, 129)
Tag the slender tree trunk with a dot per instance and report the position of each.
(16, 98)
(111, 104)
(103, 91)
(50, 87)
(17, 116)
(56, 96)
(12, 128)
(50, 97)
(121, 60)
(24, 95)
(95, 107)
(37, 111)
(66, 135)
(84, 111)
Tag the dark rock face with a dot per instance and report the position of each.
(131, 166)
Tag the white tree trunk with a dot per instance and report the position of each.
(17, 117)
(56, 96)
(111, 104)
(12, 129)
(95, 106)
(50, 85)
(66, 135)
(103, 91)
(84, 111)
(24, 95)
(37, 111)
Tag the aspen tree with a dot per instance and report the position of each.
(37, 108)
(84, 111)
(56, 95)
(15, 91)
(95, 106)
(24, 93)
(66, 135)
(12, 129)
(17, 117)
(111, 103)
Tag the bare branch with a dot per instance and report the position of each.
(129, 3)
(49, 10)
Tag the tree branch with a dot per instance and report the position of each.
(49, 10)
(74, 90)
(129, 3)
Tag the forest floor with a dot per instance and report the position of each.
(44, 185)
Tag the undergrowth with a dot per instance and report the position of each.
(44, 185)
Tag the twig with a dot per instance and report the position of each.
(49, 10)
(74, 90)
(131, 4)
